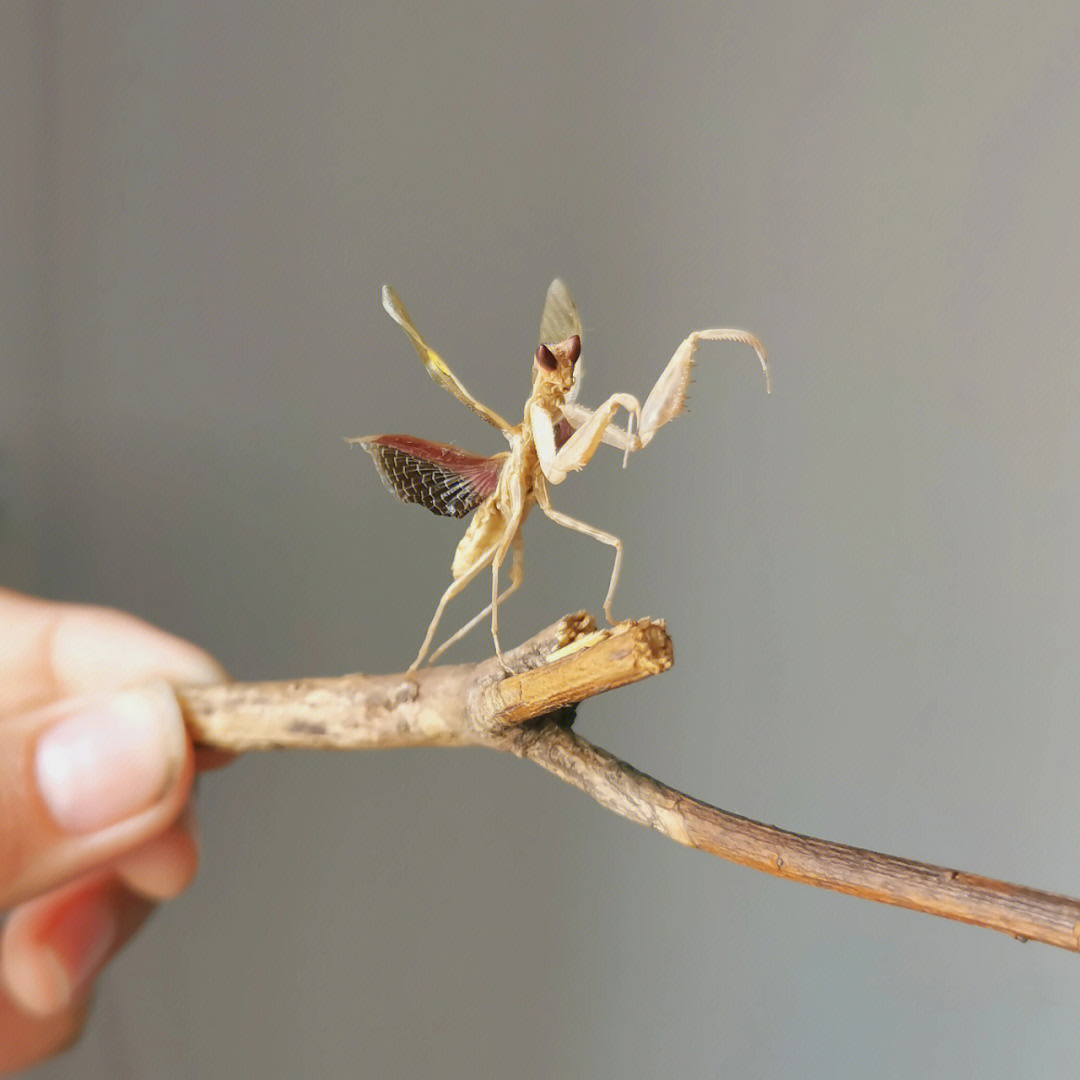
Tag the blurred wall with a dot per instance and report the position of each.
(870, 577)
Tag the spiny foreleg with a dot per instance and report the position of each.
(578, 450)
(667, 399)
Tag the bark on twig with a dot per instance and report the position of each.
(521, 709)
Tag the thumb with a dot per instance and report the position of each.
(85, 779)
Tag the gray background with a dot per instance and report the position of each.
(871, 577)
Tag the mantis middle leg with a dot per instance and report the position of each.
(597, 534)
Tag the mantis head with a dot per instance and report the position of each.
(554, 364)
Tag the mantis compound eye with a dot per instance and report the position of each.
(560, 354)
(573, 346)
(545, 358)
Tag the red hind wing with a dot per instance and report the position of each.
(446, 480)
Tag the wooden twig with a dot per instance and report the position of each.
(522, 709)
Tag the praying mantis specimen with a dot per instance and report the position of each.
(556, 436)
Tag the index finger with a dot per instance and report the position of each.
(51, 650)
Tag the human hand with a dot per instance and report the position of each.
(96, 770)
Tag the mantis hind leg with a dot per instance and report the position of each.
(457, 586)
(517, 567)
(517, 576)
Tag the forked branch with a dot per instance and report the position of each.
(526, 712)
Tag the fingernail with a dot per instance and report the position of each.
(114, 758)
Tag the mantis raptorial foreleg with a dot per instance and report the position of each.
(667, 399)
(613, 434)
(578, 450)
(517, 576)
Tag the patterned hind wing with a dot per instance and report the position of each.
(444, 479)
